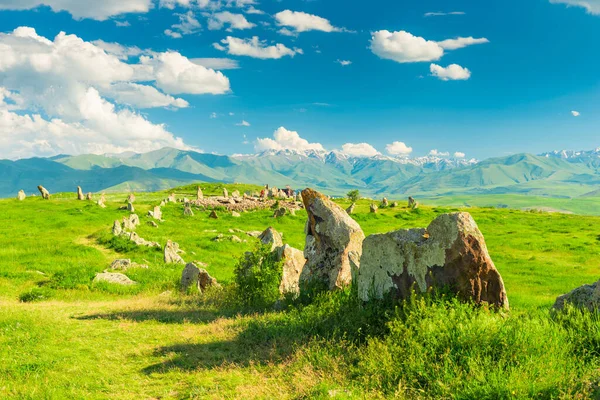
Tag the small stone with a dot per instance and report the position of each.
(131, 198)
(235, 214)
(153, 224)
(115, 278)
(213, 215)
(21, 195)
(123, 263)
(130, 207)
(88, 197)
(171, 253)
(187, 210)
(374, 208)
(271, 237)
(199, 194)
(350, 210)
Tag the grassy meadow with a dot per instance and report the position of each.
(62, 336)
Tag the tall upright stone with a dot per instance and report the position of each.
(89, 196)
(80, 195)
(117, 229)
(21, 195)
(225, 193)
(172, 253)
(333, 242)
(45, 193)
(187, 210)
(130, 207)
(450, 253)
(199, 194)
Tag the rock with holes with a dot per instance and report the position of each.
(131, 222)
(171, 253)
(44, 192)
(333, 239)
(117, 229)
(115, 278)
(80, 195)
(271, 237)
(21, 195)
(450, 253)
(586, 296)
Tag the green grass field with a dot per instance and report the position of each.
(70, 338)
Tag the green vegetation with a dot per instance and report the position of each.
(257, 278)
(353, 195)
(62, 336)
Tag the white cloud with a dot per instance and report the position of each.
(459, 154)
(452, 72)
(122, 24)
(255, 48)
(174, 35)
(217, 63)
(188, 24)
(79, 9)
(359, 150)
(591, 6)
(235, 21)
(62, 91)
(461, 42)
(303, 22)
(398, 149)
(172, 4)
(243, 123)
(287, 32)
(442, 14)
(213, 115)
(117, 49)
(575, 113)
(403, 47)
(252, 10)
(286, 140)
(437, 153)
(344, 63)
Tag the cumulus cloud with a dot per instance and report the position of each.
(255, 48)
(284, 139)
(442, 14)
(303, 22)
(404, 47)
(398, 149)
(234, 21)
(60, 92)
(359, 150)
(117, 49)
(575, 113)
(591, 6)
(459, 154)
(98, 10)
(217, 63)
(452, 72)
(460, 42)
(437, 153)
(188, 24)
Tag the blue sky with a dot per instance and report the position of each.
(513, 87)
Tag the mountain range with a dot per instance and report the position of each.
(558, 174)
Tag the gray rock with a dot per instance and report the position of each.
(130, 207)
(235, 194)
(385, 203)
(80, 195)
(131, 222)
(374, 208)
(171, 253)
(213, 215)
(135, 238)
(333, 240)
(131, 198)
(156, 213)
(350, 210)
(21, 195)
(280, 212)
(187, 210)
(199, 194)
(450, 253)
(198, 278)
(123, 263)
(153, 224)
(236, 239)
(225, 193)
(45, 193)
(412, 203)
(89, 196)
(235, 214)
(271, 237)
(586, 296)
(117, 229)
(293, 264)
(255, 234)
(115, 278)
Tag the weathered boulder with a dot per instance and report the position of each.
(156, 213)
(255, 234)
(192, 276)
(117, 228)
(135, 238)
(213, 215)
(171, 253)
(293, 263)
(101, 201)
(235, 214)
(131, 222)
(280, 212)
(394, 204)
(187, 210)
(80, 195)
(333, 239)
(225, 193)
(131, 198)
(130, 207)
(113, 277)
(171, 198)
(236, 239)
(21, 195)
(586, 296)
(45, 193)
(350, 210)
(122, 263)
(88, 197)
(450, 253)
(199, 194)
(271, 237)
(412, 203)
(235, 194)
(385, 203)
(374, 208)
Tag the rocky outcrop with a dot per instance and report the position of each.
(115, 278)
(271, 237)
(333, 239)
(45, 193)
(80, 195)
(586, 296)
(198, 278)
(21, 195)
(450, 253)
(172, 253)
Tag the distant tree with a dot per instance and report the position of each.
(354, 195)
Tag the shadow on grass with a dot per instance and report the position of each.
(159, 315)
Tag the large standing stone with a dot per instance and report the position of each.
(374, 208)
(21, 195)
(412, 203)
(187, 210)
(117, 229)
(131, 198)
(80, 195)
(333, 239)
(225, 193)
(131, 222)
(586, 296)
(45, 193)
(171, 198)
(89, 196)
(350, 210)
(171, 253)
(293, 263)
(193, 276)
(199, 194)
(156, 213)
(271, 237)
(450, 253)
(116, 278)
(130, 207)
(385, 203)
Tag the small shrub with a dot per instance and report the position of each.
(257, 277)
(36, 294)
(353, 195)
